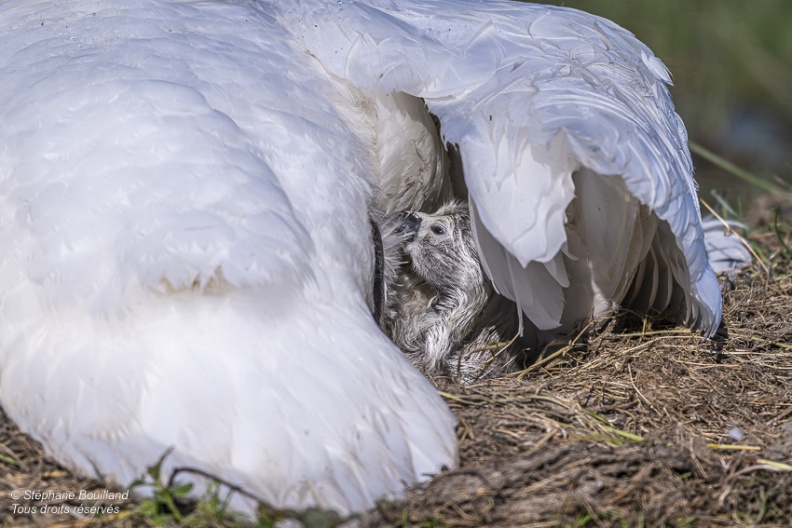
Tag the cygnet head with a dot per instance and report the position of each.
(441, 248)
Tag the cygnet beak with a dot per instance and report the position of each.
(408, 224)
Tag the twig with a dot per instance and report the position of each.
(761, 340)
(734, 447)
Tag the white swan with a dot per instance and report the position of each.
(185, 199)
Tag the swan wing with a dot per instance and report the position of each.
(186, 259)
(543, 102)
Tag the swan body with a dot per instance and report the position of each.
(186, 193)
(186, 260)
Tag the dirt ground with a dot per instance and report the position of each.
(641, 425)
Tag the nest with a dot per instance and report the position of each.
(649, 426)
(652, 426)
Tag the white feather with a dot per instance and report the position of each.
(726, 250)
(187, 256)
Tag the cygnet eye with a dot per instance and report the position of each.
(438, 230)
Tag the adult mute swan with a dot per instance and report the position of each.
(186, 198)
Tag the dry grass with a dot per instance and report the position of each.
(655, 427)
(646, 427)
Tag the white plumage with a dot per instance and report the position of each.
(185, 196)
(725, 249)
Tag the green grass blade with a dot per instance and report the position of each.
(733, 169)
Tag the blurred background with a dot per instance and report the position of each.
(731, 61)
